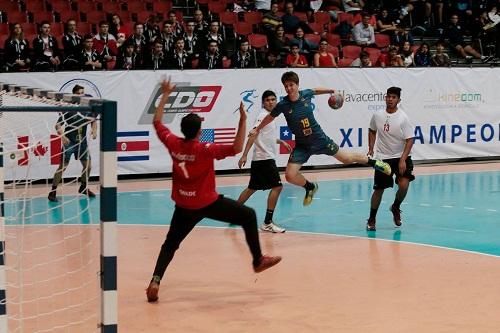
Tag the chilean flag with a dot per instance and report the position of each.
(287, 136)
(132, 146)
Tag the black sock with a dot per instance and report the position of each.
(371, 162)
(397, 203)
(54, 187)
(308, 186)
(269, 216)
(373, 213)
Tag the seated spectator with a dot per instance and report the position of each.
(272, 60)
(323, 58)
(280, 43)
(167, 36)
(201, 26)
(456, 38)
(211, 58)
(353, 6)
(119, 30)
(440, 59)
(177, 27)
(305, 47)
(401, 35)
(139, 41)
(363, 33)
(72, 43)
(214, 35)
(192, 42)
(295, 59)
(291, 22)
(151, 29)
(407, 55)
(16, 50)
(244, 57)
(385, 23)
(423, 56)
(128, 59)
(362, 61)
(271, 21)
(179, 58)
(89, 59)
(105, 44)
(393, 58)
(45, 49)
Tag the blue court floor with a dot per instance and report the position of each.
(456, 210)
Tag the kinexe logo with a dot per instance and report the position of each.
(184, 99)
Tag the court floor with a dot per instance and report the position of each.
(437, 273)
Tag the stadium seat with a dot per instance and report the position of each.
(95, 16)
(317, 27)
(351, 51)
(343, 62)
(313, 38)
(86, 6)
(341, 17)
(135, 6)
(374, 53)
(254, 18)
(34, 6)
(333, 39)
(43, 16)
(243, 28)
(17, 17)
(83, 28)
(9, 6)
(4, 29)
(110, 7)
(162, 6)
(257, 41)
(302, 16)
(333, 50)
(57, 29)
(60, 6)
(29, 28)
(215, 8)
(68, 14)
(382, 41)
(322, 18)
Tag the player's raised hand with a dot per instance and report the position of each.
(243, 114)
(167, 86)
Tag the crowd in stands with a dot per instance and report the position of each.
(149, 34)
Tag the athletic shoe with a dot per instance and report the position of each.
(52, 196)
(308, 198)
(485, 59)
(370, 225)
(87, 192)
(271, 227)
(382, 167)
(396, 216)
(152, 291)
(266, 262)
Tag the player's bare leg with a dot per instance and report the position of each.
(293, 176)
(350, 158)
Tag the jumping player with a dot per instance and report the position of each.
(395, 141)
(264, 173)
(309, 137)
(194, 193)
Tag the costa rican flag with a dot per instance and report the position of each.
(287, 136)
(132, 146)
(224, 136)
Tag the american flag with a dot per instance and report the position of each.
(218, 135)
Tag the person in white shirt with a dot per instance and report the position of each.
(394, 134)
(264, 173)
(363, 33)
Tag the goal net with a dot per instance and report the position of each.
(58, 270)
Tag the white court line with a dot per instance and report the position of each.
(336, 199)
(447, 206)
(291, 197)
(359, 200)
(491, 210)
(425, 205)
(469, 208)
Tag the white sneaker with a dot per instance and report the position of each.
(271, 227)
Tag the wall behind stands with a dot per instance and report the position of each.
(455, 110)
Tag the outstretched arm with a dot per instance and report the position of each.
(321, 91)
(167, 88)
(242, 128)
(267, 119)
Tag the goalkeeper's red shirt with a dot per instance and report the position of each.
(193, 174)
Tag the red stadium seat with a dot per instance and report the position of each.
(322, 18)
(374, 53)
(135, 6)
(43, 16)
(143, 16)
(382, 40)
(4, 30)
(162, 6)
(216, 8)
(110, 7)
(228, 18)
(83, 28)
(86, 6)
(34, 6)
(17, 17)
(313, 38)
(9, 6)
(257, 41)
(57, 29)
(254, 18)
(3, 38)
(29, 28)
(317, 27)
(341, 17)
(95, 16)
(67, 15)
(333, 50)
(351, 51)
(333, 39)
(60, 6)
(302, 16)
(243, 28)
(344, 62)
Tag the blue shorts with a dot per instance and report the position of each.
(79, 149)
(301, 152)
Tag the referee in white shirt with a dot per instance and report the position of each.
(264, 173)
(394, 134)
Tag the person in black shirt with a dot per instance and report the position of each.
(72, 43)
(157, 59)
(16, 50)
(244, 57)
(211, 58)
(89, 59)
(128, 59)
(179, 58)
(72, 128)
(45, 49)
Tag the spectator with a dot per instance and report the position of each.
(167, 37)
(440, 59)
(393, 58)
(214, 35)
(272, 60)
(271, 20)
(72, 43)
(401, 35)
(151, 29)
(105, 44)
(201, 25)
(192, 42)
(89, 60)
(352, 6)
(295, 59)
(179, 58)
(46, 50)
(280, 43)
(211, 58)
(16, 50)
(128, 59)
(323, 58)
(363, 33)
(362, 61)
(139, 41)
(456, 39)
(291, 22)
(423, 56)
(305, 47)
(119, 30)
(407, 55)
(385, 23)
(177, 28)
(244, 57)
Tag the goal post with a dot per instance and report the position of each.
(22, 101)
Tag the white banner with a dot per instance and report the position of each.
(455, 111)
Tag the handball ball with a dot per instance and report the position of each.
(336, 101)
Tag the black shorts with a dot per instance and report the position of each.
(383, 181)
(264, 175)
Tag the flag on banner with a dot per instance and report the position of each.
(23, 143)
(132, 146)
(55, 149)
(287, 136)
(218, 135)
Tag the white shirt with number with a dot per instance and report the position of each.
(265, 143)
(392, 131)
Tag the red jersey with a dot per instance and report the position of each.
(193, 174)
